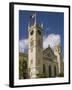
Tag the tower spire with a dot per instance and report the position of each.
(42, 25)
(35, 18)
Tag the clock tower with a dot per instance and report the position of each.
(35, 51)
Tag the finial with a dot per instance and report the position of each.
(35, 18)
(41, 25)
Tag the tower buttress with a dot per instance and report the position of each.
(57, 52)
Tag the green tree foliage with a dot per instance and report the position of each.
(61, 75)
(23, 66)
(42, 75)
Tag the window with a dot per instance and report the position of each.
(55, 71)
(50, 70)
(39, 32)
(44, 68)
(31, 33)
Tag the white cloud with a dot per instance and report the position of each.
(23, 45)
(52, 40)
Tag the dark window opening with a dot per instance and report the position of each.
(49, 71)
(39, 32)
(54, 71)
(43, 68)
(31, 33)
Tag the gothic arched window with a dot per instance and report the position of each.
(39, 32)
(31, 33)
(55, 71)
(44, 69)
(50, 70)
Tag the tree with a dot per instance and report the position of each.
(61, 75)
(23, 66)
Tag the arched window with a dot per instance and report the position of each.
(31, 33)
(39, 32)
(44, 68)
(54, 71)
(50, 70)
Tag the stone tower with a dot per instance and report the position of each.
(57, 52)
(35, 52)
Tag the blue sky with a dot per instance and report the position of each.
(53, 23)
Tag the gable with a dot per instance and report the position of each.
(49, 54)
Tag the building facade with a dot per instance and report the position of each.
(52, 62)
(41, 62)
